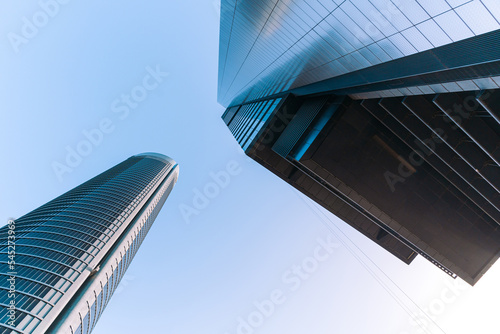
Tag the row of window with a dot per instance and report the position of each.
(249, 119)
(57, 241)
(123, 260)
(332, 41)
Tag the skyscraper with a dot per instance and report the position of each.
(69, 255)
(384, 112)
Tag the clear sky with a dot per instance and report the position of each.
(255, 257)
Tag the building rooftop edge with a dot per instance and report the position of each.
(157, 156)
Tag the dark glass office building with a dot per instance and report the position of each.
(387, 113)
(71, 253)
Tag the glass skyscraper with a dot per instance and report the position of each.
(70, 254)
(311, 46)
(385, 112)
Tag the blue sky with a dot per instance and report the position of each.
(256, 257)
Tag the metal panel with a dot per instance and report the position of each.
(298, 126)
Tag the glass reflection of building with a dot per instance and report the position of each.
(72, 252)
(384, 112)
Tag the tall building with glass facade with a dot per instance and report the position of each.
(385, 112)
(71, 253)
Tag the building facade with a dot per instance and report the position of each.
(384, 112)
(71, 253)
